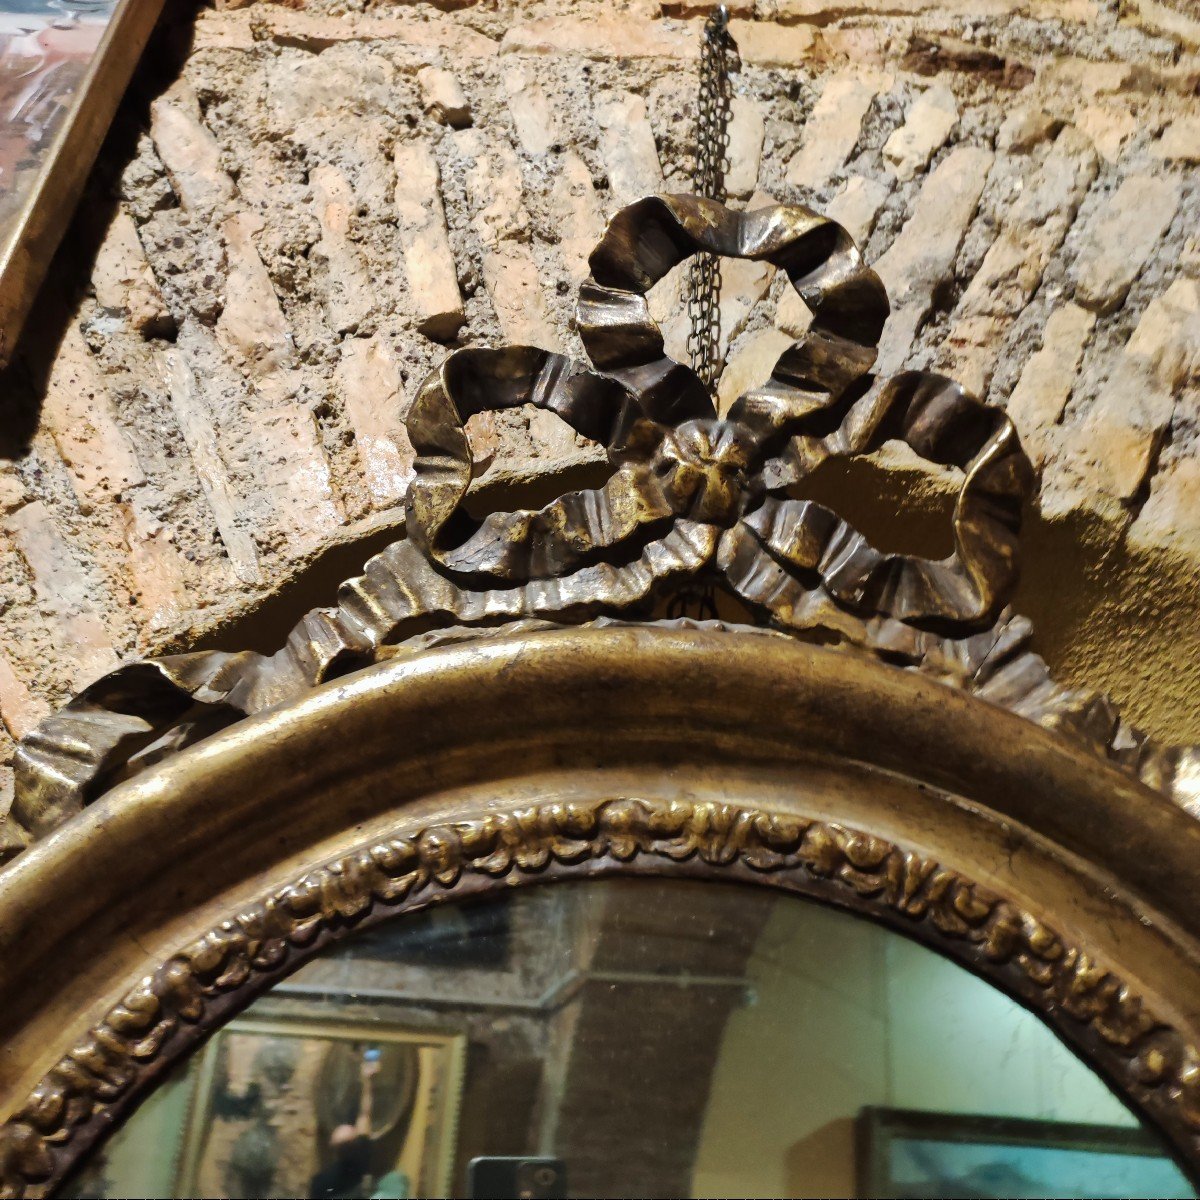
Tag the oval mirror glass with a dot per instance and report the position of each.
(632, 1037)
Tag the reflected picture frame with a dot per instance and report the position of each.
(907, 1152)
(64, 94)
(432, 1105)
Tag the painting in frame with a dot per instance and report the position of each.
(903, 1153)
(271, 1096)
(64, 65)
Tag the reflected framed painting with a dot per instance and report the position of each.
(300, 1107)
(64, 65)
(903, 1153)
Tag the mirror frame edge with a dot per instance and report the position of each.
(555, 754)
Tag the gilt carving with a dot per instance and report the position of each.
(695, 502)
(196, 987)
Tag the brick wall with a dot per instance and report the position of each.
(287, 230)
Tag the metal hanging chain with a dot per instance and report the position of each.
(718, 56)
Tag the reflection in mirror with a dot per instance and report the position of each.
(632, 1037)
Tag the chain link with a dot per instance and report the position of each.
(718, 50)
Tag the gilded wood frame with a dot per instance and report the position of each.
(164, 907)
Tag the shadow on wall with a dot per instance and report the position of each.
(1105, 615)
(24, 382)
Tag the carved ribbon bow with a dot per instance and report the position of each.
(694, 495)
(693, 498)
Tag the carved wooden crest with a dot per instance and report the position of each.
(695, 500)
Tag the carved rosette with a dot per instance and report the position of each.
(197, 987)
(694, 501)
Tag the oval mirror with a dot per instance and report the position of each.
(632, 1037)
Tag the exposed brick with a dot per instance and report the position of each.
(1025, 127)
(696, 8)
(369, 382)
(196, 425)
(425, 243)
(513, 446)
(290, 462)
(857, 206)
(124, 282)
(243, 30)
(304, 110)
(743, 284)
(576, 212)
(1109, 126)
(1086, 76)
(12, 490)
(444, 98)
(1120, 237)
(512, 277)
(1175, 18)
(252, 327)
(1111, 451)
(1045, 386)
(792, 315)
(627, 147)
(764, 44)
(833, 129)
(924, 252)
(1180, 141)
(750, 364)
(537, 129)
(156, 571)
(349, 295)
(592, 37)
(65, 593)
(941, 55)
(20, 709)
(1171, 515)
(190, 154)
(746, 132)
(832, 10)
(80, 416)
(924, 132)
(1167, 337)
(1034, 227)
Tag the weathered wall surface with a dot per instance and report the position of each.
(324, 196)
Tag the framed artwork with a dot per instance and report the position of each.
(302, 1107)
(904, 1153)
(64, 65)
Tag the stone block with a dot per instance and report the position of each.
(66, 591)
(251, 326)
(443, 97)
(1180, 141)
(929, 123)
(1120, 238)
(750, 364)
(1046, 383)
(925, 250)
(746, 132)
(535, 123)
(349, 293)
(833, 129)
(195, 422)
(425, 242)
(80, 415)
(856, 207)
(369, 383)
(190, 154)
(124, 282)
(627, 147)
